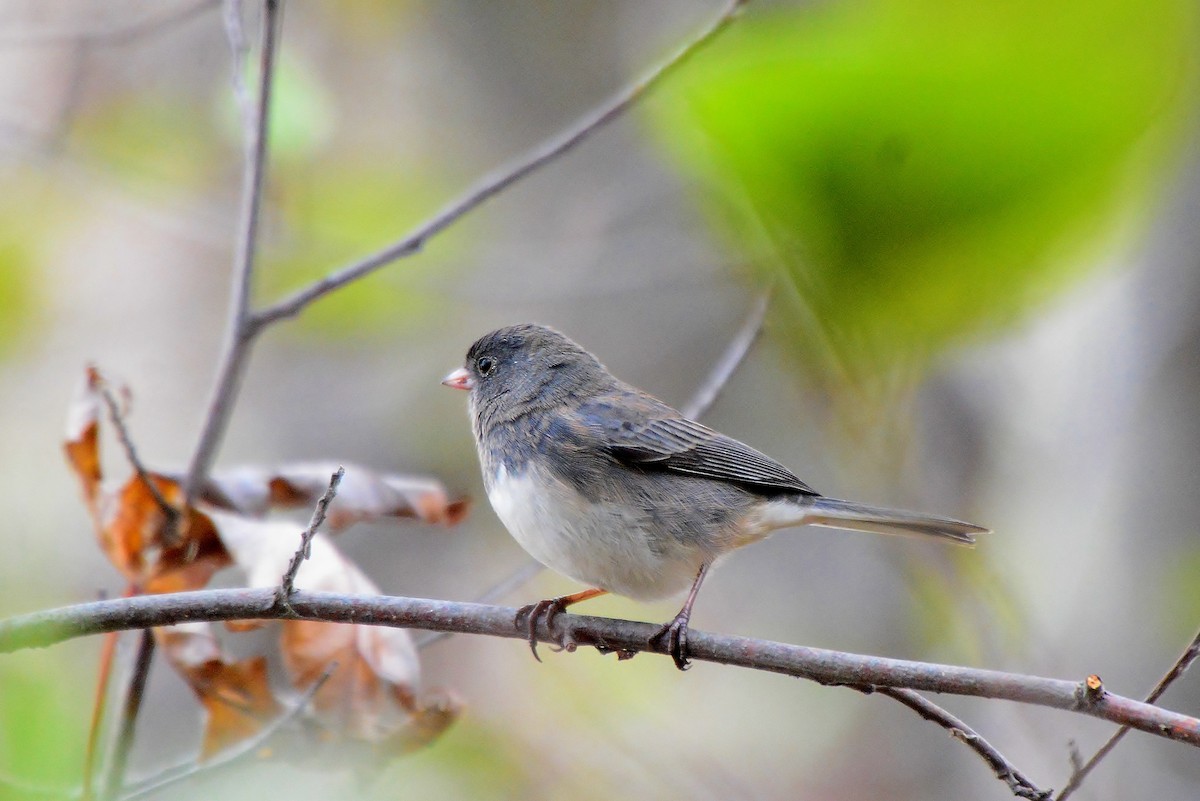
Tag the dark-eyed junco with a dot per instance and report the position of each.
(614, 488)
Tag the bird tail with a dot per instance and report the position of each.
(860, 517)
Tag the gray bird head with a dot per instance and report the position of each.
(522, 368)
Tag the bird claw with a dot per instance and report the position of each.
(532, 613)
(672, 637)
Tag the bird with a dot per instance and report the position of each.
(614, 488)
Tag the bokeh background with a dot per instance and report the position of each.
(981, 225)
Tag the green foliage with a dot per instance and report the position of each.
(302, 111)
(1180, 601)
(26, 227)
(16, 290)
(44, 719)
(921, 171)
(343, 210)
(156, 139)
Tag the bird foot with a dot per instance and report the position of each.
(673, 638)
(529, 615)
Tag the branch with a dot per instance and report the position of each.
(119, 761)
(240, 331)
(822, 666)
(495, 183)
(706, 394)
(118, 420)
(1005, 771)
(518, 578)
(286, 586)
(1178, 669)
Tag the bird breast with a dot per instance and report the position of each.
(610, 545)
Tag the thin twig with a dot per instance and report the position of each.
(100, 704)
(119, 761)
(47, 627)
(706, 394)
(234, 753)
(496, 182)
(1005, 771)
(229, 373)
(118, 420)
(240, 329)
(1178, 669)
(245, 325)
(287, 583)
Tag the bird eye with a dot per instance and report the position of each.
(485, 364)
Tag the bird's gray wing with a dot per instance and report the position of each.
(652, 436)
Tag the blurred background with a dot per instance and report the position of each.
(981, 225)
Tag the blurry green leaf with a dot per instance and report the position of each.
(16, 267)
(302, 114)
(44, 719)
(303, 117)
(157, 137)
(964, 606)
(921, 170)
(1181, 601)
(30, 215)
(344, 210)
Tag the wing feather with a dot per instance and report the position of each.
(675, 444)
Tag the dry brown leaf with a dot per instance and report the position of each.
(133, 532)
(83, 434)
(235, 693)
(364, 495)
(132, 528)
(373, 692)
(372, 696)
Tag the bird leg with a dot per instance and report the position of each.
(673, 635)
(549, 609)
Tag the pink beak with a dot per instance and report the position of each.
(459, 379)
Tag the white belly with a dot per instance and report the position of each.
(601, 544)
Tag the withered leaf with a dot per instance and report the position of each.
(363, 496)
(153, 550)
(83, 433)
(373, 695)
(235, 693)
(373, 692)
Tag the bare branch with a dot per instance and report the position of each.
(118, 420)
(1005, 771)
(518, 578)
(816, 664)
(119, 761)
(706, 394)
(240, 330)
(1178, 669)
(286, 586)
(234, 753)
(502, 179)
